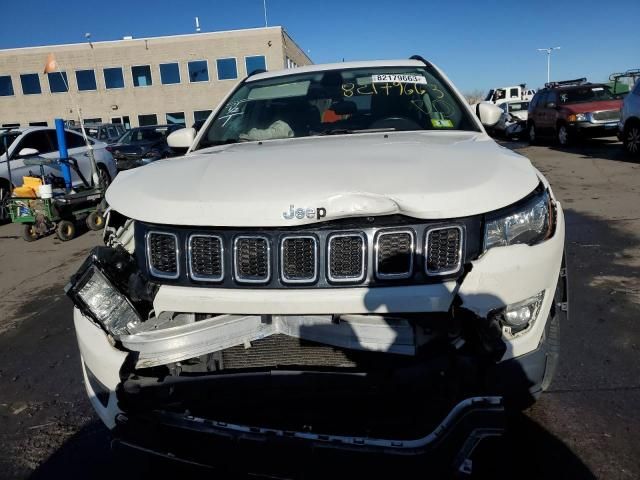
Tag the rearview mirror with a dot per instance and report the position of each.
(488, 113)
(182, 139)
(28, 152)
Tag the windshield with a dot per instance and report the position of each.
(7, 138)
(585, 94)
(338, 101)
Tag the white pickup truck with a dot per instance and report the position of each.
(343, 260)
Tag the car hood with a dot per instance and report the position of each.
(593, 106)
(427, 175)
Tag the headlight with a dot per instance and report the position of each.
(579, 117)
(96, 296)
(529, 224)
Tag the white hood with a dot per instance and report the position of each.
(428, 175)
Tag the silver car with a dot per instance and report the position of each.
(25, 142)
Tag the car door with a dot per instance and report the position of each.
(40, 141)
(537, 112)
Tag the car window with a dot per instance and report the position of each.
(541, 100)
(636, 89)
(112, 133)
(40, 140)
(513, 93)
(7, 138)
(552, 97)
(74, 140)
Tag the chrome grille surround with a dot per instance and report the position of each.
(192, 258)
(333, 250)
(152, 249)
(238, 245)
(283, 260)
(605, 116)
(381, 249)
(455, 250)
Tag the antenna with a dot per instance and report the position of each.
(88, 37)
(198, 24)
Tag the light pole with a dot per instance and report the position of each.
(548, 51)
(264, 6)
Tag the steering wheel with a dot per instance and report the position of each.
(399, 123)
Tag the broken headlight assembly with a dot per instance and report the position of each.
(530, 223)
(96, 289)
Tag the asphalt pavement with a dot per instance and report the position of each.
(586, 426)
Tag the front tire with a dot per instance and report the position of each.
(105, 177)
(5, 193)
(631, 139)
(563, 136)
(65, 230)
(95, 221)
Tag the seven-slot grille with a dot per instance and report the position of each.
(252, 259)
(347, 254)
(162, 254)
(206, 258)
(394, 254)
(443, 250)
(306, 258)
(299, 259)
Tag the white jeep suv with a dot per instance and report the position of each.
(344, 260)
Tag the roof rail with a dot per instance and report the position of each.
(420, 59)
(634, 72)
(564, 83)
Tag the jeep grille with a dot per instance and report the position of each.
(299, 259)
(252, 259)
(444, 250)
(394, 254)
(162, 252)
(205, 258)
(347, 254)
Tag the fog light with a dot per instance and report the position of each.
(95, 296)
(519, 316)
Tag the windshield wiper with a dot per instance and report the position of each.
(348, 131)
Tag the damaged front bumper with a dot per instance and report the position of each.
(431, 359)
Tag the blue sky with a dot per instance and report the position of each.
(478, 44)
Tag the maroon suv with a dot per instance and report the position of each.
(573, 109)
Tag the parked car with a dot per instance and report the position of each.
(105, 132)
(142, 145)
(344, 260)
(629, 126)
(514, 113)
(24, 142)
(571, 110)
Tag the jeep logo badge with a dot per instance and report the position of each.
(301, 213)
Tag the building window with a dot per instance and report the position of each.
(176, 118)
(257, 62)
(38, 124)
(10, 125)
(6, 86)
(93, 120)
(201, 115)
(169, 73)
(227, 68)
(198, 71)
(58, 82)
(113, 77)
(151, 119)
(86, 80)
(141, 76)
(30, 84)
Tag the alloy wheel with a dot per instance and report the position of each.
(4, 211)
(563, 136)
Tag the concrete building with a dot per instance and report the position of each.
(172, 79)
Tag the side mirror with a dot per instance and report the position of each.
(181, 139)
(551, 105)
(28, 152)
(488, 113)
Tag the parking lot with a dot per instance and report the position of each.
(586, 426)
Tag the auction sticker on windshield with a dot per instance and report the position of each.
(398, 77)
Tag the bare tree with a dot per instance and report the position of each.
(474, 96)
